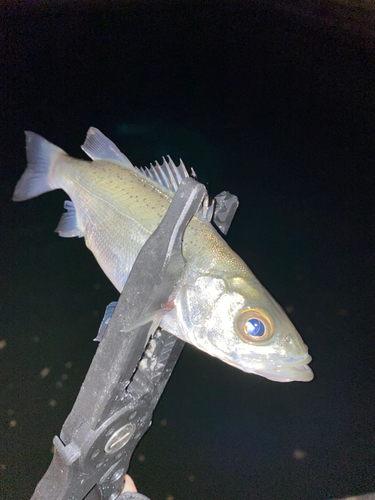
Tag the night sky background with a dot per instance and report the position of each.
(274, 106)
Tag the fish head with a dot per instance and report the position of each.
(239, 322)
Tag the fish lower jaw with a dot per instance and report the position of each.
(301, 373)
(293, 371)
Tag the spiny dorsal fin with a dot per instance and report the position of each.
(167, 175)
(207, 210)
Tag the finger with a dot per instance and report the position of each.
(129, 485)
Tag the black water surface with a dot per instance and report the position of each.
(269, 106)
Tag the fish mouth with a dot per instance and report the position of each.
(293, 371)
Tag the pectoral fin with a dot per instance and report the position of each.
(153, 316)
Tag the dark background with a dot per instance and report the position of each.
(273, 104)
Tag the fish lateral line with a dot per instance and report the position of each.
(116, 229)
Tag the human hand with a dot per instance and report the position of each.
(129, 485)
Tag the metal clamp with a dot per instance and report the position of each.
(128, 373)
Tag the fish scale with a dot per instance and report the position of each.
(218, 305)
(114, 219)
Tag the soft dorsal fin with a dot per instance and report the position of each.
(166, 176)
(98, 147)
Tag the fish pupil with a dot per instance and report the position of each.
(254, 327)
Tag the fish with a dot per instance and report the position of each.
(217, 305)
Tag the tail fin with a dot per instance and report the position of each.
(41, 157)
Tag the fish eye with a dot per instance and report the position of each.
(254, 325)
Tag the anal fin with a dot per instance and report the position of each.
(68, 225)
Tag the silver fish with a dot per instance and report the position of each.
(218, 305)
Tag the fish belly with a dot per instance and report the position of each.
(118, 210)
